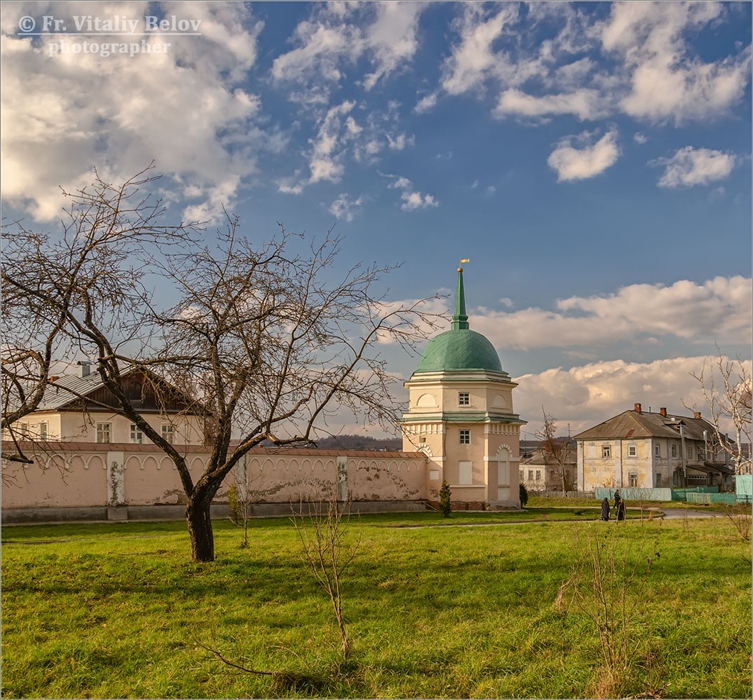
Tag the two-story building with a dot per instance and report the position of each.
(642, 449)
(541, 470)
(77, 408)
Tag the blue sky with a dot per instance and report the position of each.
(592, 159)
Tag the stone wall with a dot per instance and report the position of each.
(88, 475)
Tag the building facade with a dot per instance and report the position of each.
(640, 449)
(543, 471)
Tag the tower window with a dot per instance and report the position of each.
(465, 437)
(464, 399)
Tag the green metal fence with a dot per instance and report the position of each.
(635, 494)
(728, 498)
(744, 488)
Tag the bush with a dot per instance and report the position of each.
(445, 505)
(523, 495)
(234, 506)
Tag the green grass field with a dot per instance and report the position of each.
(118, 610)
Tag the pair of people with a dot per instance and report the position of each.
(619, 507)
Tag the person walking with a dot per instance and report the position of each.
(605, 510)
(621, 510)
(617, 500)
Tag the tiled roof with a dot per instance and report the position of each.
(632, 424)
(67, 389)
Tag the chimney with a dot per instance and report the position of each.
(663, 412)
(637, 408)
(84, 368)
(696, 414)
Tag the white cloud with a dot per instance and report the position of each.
(473, 59)
(584, 103)
(694, 166)
(337, 35)
(345, 132)
(411, 198)
(426, 103)
(578, 164)
(650, 71)
(65, 114)
(391, 39)
(415, 200)
(640, 138)
(587, 395)
(666, 83)
(326, 156)
(719, 310)
(345, 208)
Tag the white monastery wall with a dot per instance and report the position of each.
(95, 475)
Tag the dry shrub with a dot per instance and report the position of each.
(322, 531)
(604, 586)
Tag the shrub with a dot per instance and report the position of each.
(445, 496)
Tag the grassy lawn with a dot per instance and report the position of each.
(118, 610)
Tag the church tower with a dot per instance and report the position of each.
(461, 416)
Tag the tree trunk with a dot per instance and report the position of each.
(200, 529)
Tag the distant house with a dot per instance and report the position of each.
(79, 408)
(541, 471)
(651, 450)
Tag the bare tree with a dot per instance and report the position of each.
(726, 388)
(556, 451)
(260, 340)
(51, 282)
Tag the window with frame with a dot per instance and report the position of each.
(674, 450)
(43, 430)
(465, 437)
(657, 450)
(530, 475)
(606, 451)
(658, 481)
(690, 452)
(538, 475)
(701, 454)
(633, 480)
(24, 429)
(464, 399)
(522, 475)
(137, 436)
(168, 432)
(103, 432)
(632, 451)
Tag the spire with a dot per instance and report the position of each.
(459, 318)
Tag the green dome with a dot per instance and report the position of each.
(459, 349)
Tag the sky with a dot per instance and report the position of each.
(593, 160)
